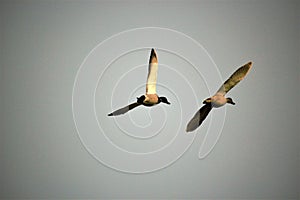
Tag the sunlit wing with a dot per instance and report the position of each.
(124, 109)
(235, 78)
(198, 118)
(152, 73)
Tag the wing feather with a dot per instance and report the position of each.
(235, 78)
(199, 117)
(152, 73)
(124, 109)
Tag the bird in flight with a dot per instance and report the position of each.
(150, 98)
(219, 98)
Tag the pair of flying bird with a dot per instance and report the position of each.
(217, 100)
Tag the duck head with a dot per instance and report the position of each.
(164, 100)
(229, 100)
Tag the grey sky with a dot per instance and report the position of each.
(43, 45)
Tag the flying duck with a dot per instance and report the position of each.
(219, 98)
(150, 98)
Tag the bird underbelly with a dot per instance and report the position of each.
(150, 100)
(218, 101)
(148, 105)
(217, 104)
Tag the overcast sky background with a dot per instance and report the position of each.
(43, 45)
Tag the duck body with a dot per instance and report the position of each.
(150, 98)
(219, 99)
(216, 101)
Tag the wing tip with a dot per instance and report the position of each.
(250, 64)
(153, 57)
(110, 114)
(187, 130)
(190, 128)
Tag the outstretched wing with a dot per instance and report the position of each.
(235, 78)
(199, 117)
(124, 109)
(152, 73)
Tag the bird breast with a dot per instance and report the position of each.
(151, 99)
(218, 100)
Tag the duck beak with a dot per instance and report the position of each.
(231, 102)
